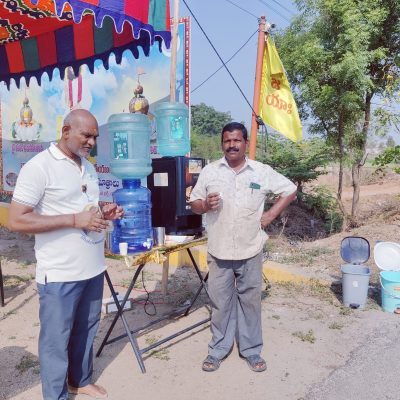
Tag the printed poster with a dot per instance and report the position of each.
(31, 117)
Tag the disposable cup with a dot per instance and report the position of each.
(123, 248)
(159, 235)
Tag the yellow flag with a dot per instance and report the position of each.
(277, 106)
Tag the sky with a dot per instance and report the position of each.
(229, 28)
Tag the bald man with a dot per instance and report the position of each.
(56, 198)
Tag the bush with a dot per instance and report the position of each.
(323, 205)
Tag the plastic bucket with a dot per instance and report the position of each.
(355, 282)
(390, 290)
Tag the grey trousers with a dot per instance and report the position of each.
(69, 317)
(234, 287)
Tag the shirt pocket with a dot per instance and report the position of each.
(254, 199)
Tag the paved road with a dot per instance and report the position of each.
(372, 372)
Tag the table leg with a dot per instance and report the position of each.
(120, 314)
(164, 279)
(1, 286)
(202, 282)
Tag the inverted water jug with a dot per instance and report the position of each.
(130, 145)
(135, 227)
(172, 122)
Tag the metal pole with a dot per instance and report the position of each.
(257, 87)
(174, 50)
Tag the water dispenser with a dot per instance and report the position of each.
(135, 227)
(130, 161)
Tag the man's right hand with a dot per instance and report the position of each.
(213, 200)
(91, 220)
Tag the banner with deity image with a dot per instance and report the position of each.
(31, 117)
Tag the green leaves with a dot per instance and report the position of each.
(207, 120)
(391, 155)
(207, 124)
(301, 162)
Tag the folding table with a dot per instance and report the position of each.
(140, 260)
(1, 287)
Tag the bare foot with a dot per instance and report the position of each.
(95, 391)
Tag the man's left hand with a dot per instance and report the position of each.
(112, 211)
(266, 219)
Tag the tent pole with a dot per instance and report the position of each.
(257, 88)
(174, 49)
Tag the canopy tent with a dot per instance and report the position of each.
(37, 36)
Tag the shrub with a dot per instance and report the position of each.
(323, 205)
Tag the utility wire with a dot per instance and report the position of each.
(285, 8)
(275, 10)
(243, 9)
(222, 61)
(228, 60)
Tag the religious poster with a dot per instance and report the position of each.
(31, 117)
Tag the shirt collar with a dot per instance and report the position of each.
(248, 163)
(56, 152)
(59, 155)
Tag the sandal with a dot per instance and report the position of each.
(210, 364)
(256, 363)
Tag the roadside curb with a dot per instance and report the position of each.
(276, 272)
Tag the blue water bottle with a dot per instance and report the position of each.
(130, 161)
(172, 122)
(135, 227)
(130, 145)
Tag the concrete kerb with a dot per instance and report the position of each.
(273, 271)
(276, 272)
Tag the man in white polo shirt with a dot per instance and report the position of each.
(56, 198)
(232, 192)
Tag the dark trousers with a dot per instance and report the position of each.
(234, 287)
(69, 317)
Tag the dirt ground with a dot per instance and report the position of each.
(307, 332)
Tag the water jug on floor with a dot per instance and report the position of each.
(172, 121)
(135, 227)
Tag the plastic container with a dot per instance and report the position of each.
(355, 276)
(172, 121)
(130, 145)
(135, 227)
(387, 258)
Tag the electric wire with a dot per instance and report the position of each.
(222, 61)
(226, 62)
(275, 10)
(147, 301)
(285, 8)
(243, 9)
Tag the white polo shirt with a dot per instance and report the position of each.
(53, 184)
(234, 229)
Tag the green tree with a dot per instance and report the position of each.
(300, 162)
(205, 146)
(206, 126)
(339, 54)
(206, 120)
(390, 155)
